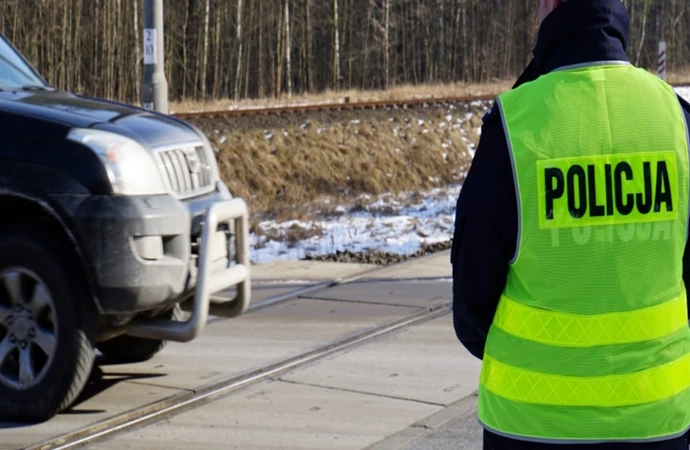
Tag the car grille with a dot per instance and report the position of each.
(188, 170)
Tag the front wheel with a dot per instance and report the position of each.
(46, 354)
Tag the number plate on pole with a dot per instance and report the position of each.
(150, 44)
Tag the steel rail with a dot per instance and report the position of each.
(180, 403)
(320, 107)
(344, 106)
(320, 286)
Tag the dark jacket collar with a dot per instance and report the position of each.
(577, 32)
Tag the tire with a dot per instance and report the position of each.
(129, 349)
(48, 329)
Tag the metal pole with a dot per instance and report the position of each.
(154, 92)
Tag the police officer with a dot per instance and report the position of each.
(568, 256)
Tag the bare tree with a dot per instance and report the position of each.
(239, 50)
(288, 45)
(336, 46)
(204, 69)
(254, 48)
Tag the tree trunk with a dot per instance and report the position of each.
(137, 51)
(647, 3)
(336, 48)
(288, 45)
(204, 69)
(310, 42)
(386, 46)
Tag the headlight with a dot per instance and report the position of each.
(131, 169)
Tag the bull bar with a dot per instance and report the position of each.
(207, 282)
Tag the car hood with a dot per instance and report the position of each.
(148, 128)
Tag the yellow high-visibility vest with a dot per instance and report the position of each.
(591, 342)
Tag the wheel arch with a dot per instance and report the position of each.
(23, 208)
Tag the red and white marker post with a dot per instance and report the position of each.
(662, 60)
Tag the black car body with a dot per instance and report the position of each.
(126, 193)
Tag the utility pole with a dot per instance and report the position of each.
(154, 91)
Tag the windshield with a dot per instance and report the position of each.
(15, 73)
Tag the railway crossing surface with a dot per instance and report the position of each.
(331, 356)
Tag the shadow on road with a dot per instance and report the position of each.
(98, 383)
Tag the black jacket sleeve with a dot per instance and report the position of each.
(485, 237)
(486, 230)
(686, 256)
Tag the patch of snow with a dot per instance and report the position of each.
(223, 139)
(393, 223)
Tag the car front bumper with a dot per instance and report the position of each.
(144, 251)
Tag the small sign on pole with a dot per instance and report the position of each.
(150, 44)
(662, 60)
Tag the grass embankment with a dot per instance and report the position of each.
(284, 166)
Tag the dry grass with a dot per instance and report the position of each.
(285, 166)
(293, 165)
(405, 92)
(679, 76)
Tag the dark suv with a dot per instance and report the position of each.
(115, 224)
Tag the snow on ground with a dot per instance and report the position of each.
(392, 223)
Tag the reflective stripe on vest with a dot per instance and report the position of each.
(572, 330)
(601, 168)
(652, 385)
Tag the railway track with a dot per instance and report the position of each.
(224, 386)
(345, 105)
